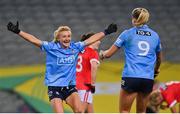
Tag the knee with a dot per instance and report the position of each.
(78, 109)
(123, 110)
(141, 109)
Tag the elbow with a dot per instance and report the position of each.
(107, 56)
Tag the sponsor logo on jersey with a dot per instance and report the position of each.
(66, 60)
(144, 33)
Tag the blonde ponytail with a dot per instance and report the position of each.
(141, 15)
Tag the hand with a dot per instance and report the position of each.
(92, 87)
(110, 29)
(13, 28)
(156, 72)
(101, 54)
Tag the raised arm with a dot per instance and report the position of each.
(30, 38)
(98, 36)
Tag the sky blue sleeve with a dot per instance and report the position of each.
(121, 39)
(46, 46)
(80, 46)
(159, 47)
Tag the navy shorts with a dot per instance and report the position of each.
(60, 92)
(130, 84)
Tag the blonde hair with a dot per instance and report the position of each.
(153, 97)
(141, 15)
(60, 29)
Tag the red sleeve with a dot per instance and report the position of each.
(169, 97)
(94, 56)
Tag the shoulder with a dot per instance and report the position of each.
(125, 35)
(128, 32)
(76, 44)
(50, 44)
(153, 32)
(89, 50)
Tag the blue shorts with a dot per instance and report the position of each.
(130, 84)
(60, 92)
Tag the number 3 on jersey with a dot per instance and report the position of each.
(144, 47)
(79, 64)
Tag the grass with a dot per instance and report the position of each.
(108, 72)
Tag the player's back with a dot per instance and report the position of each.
(140, 45)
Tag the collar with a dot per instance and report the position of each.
(60, 46)
(143, 26)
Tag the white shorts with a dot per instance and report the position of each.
(85, 96)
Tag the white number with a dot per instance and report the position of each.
(79, 64)
(143, 46)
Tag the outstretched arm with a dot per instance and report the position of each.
(98, 36)
(108, 53)
(94, 38)
(15, 28)
(30, 38)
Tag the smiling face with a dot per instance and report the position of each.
(64, 37)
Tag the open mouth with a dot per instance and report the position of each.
(66, 43)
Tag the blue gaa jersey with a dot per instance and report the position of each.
(61, 63)
(140, 45)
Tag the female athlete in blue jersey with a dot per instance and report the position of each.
(142, 61)
(61, 59)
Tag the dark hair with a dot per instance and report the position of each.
(86, 36)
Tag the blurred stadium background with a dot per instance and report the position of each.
(22, 64)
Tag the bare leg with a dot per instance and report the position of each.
(85, 107)
(75, 103)
(125, 101)
(57, 105)
(141, 102)
(90, 108)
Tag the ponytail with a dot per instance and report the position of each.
(141, 15)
